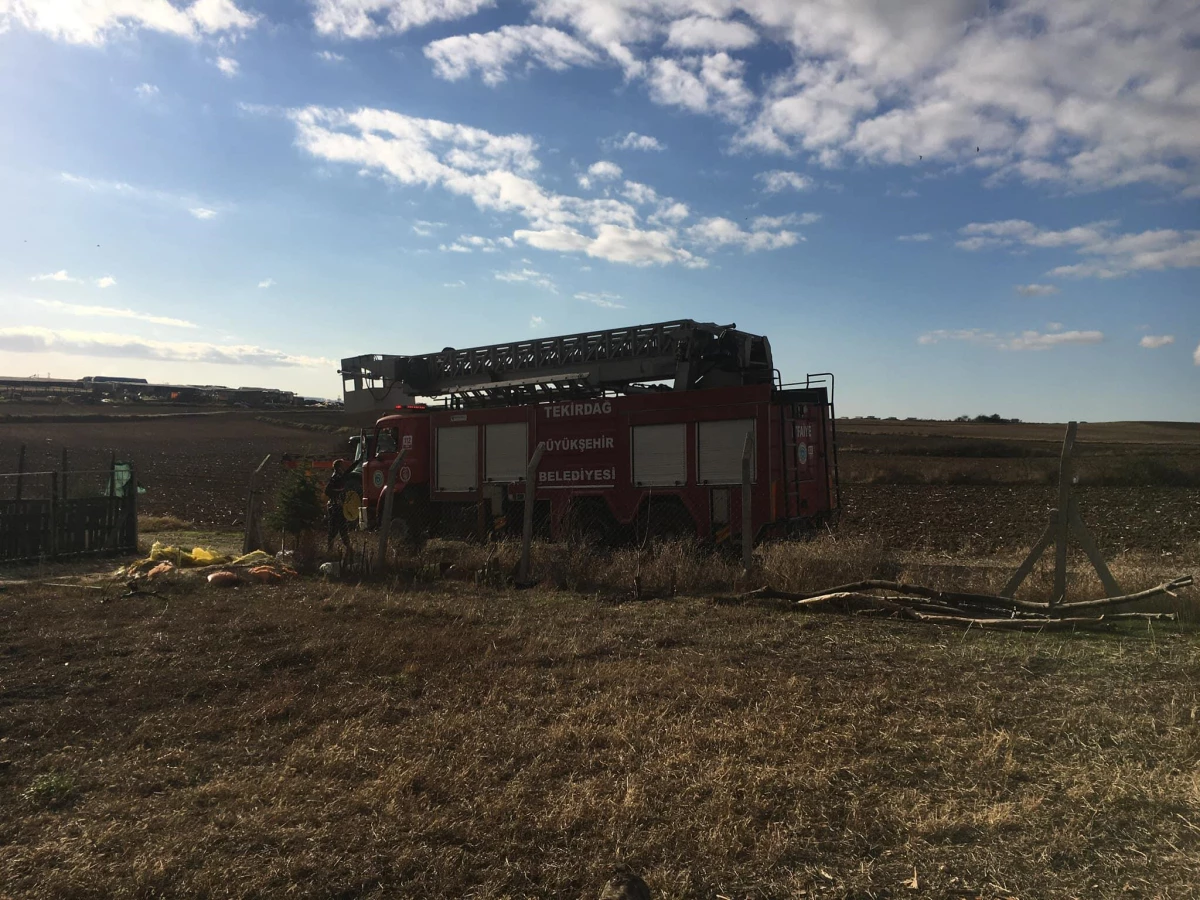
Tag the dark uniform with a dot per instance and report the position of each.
(335, 492)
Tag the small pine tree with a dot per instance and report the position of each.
(298, 505)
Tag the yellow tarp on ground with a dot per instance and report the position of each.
(256, 558)
(198, 556)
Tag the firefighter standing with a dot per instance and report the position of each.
(335, 492)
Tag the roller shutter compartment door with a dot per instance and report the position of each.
(457, 460)
(719, 456)
(659, 455)
(504, 452)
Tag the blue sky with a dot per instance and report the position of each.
(959, 206)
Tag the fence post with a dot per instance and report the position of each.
(747, 519)
(132, 500)
(65, 490)
(1062, 526)
(252, 535)
(389, 496)
(527, 527)
(20, 472)
(55, 512)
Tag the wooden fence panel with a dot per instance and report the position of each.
(57, 527)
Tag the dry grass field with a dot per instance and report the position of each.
(316, 740)
(436, 734)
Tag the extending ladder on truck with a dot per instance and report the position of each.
(691, 354)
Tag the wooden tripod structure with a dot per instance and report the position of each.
(1064, 521)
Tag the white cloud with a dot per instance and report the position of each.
(705, 33)
(919, 237)
(701, 84)
(1036, 290)
(105, 281)
(468, 243)
(267, 283)
(123, 346)
(214, 16)
(426, 229)
(1081, 92)
(374, 18)
(1026, 340)
(528, 276)
(616, 244)
(227, 65)
(717, 231)
(763, 223)
(536, 321)
(635, 141)
(599, 171)
(1196, 355)
(607, 301)
(60, 275)
(492, 54)
(1154, 341)
(454, 284)
(107, 312)
(95, 21)
(203, 212)
(496, 172)
(330, 57)
(1108, 253)
(146, 91)
(778, 180)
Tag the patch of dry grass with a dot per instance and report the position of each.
(155, 524)
(317, 740)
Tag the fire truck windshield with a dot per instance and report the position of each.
(385, 441)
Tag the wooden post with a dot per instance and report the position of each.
(132, 501)
(1088, 543)
(1062, 526)
(1035, 554)
(1064, 522)
(110, 518)
(252, 531)
(20, 473)
(389, 496)
(55, 507)
(527, 529)
(747, 518)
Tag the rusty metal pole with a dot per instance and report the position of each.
(527, 529)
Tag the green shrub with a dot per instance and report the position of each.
(299, 506)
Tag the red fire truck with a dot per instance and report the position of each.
(643, 432)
